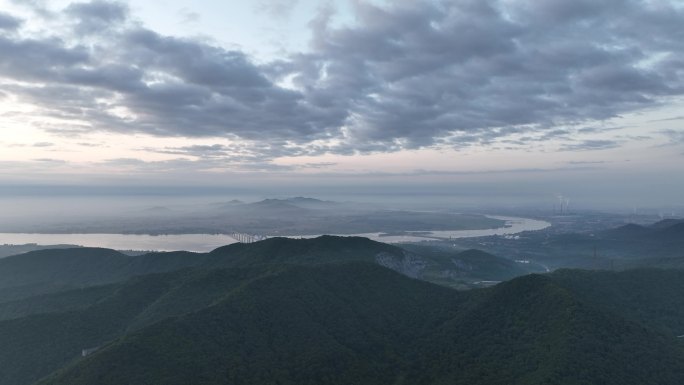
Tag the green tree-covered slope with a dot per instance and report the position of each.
(359, 323)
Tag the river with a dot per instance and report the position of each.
(208, 242)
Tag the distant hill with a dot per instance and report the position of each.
(623, 247)
(668, 229)
(305, 200)
(461, 269)
(46, 271)
(323, 249)
(665, 223)
(648, 245)
(360, 323)
(627, 231)
(158, 210)
(292, 204)
(313, 203)
(8, 250)
(273, 204)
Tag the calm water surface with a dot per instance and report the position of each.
(208, 242)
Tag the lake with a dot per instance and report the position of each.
(208, 242)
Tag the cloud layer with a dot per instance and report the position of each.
(407, 75)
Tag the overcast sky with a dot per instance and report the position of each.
(476, 97)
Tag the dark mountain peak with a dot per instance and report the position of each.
(268, 201)
(75, 252)
(232, 204)
(312, 202)
(628, 230)
(538, 289)
(311, 251)
(665, 223)
(274, 204)
(673, 232)
(332, 243)
(531, 283)
(157, 209)
(475, 253)
(305, 200)
(667, 229)
(631, 227)
(293, 203)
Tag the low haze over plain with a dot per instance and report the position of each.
(518, 98)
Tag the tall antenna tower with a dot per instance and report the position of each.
(563, 205)
(560, 204)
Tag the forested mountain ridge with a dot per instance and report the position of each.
(329, 311)
(45, 271)
(48, 271)
(361, 323)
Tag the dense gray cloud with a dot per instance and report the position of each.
(277, 8)
(588, 145)
(204, 166)
(469, 66)
(43, 144)
(406, 75)
(96, 15)
(675, 136)
(237, 154)
(201, 151)
(9, 22)
(188, 17)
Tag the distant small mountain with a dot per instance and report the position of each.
(305, 200)
(667, 228)
(299, 202)
(229, 205)
(312, 202)
(230, 202)
(629, 245)
(274, 205)
(158, 210)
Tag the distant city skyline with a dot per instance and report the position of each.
(509, 98)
